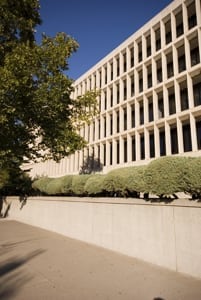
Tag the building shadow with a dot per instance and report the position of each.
(12, 277)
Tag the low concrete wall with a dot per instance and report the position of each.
(168, 235)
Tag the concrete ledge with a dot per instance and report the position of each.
(167, 235)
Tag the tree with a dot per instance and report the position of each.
(38, 116)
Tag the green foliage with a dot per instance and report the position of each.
(114, 183)
(38, 116)
(41, 184)
(66, 188)
(4, 177)
(78, 184)
(193, 177)
(132, 178)
(166, 176)
(94, 185)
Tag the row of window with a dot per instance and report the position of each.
(142, 48)
(140, 112)
(112, 95)
(108, 152)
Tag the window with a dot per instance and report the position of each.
(104, 154)
(184, 98)
(133, 149)
(151, 112)
(172, 107)
(197, 94)
(174, 140)
(132, 57)
(158, 39)
(125, 119)
(117, 66)
(132, 86)
(170, 70)
(111, 125)
(198, 131)
(192, 21)
(117, 122)
(133, 116)
(151, 144)
(104, 126)
(118, 94)
(125, 89)
(168, 33)
(125, 150)
(195, 57)
(187, 137)
(141, 114)
(179, 23)
(118, 152)
(142, 147)
(182, 63)
(162, 142)
(160, 108)
(111, 154)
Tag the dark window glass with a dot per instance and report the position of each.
(110, 153)
(142, 150)
(180, 29)
(162, 143)
(195, 57)
(187, 138)
(160, 108)
(182, 63)
(174, 141)
(184, 99)
(118, 152)
(197, 94)
(151, 113)
(125, 150)
(151, 145)
(104, 154)
(141, 115)
(198, 131)
(172, 107)
(133, 149)
(133, 116)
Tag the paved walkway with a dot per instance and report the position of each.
(38, 264)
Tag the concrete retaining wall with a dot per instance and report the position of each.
(168, 235)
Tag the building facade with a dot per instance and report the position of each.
(150, 102)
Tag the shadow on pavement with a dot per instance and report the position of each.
(11, 278)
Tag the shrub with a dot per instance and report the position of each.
(66, 188)
(41, 184)
(94, 185)
(54, 186)
(166, 176)
(114, 183)
(78, 183)
(193, 177)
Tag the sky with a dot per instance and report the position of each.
(98, 26)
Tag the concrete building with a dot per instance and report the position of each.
(150, 103)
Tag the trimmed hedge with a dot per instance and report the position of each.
(94, 185)
(163, 177)
(166, 176)
(78, 184)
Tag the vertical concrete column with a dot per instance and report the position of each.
(175, 60)
(128, 116)
(190, 91)
(180, 136)
(146, 109)
(185, 17)
(114, 115)
(154, 72)
(121, 119)
(163, 41)
(193, 133)
(121, 63)
(145, 77)
(177, 96)
(128, 57)
(114, 148)
(198, 10)
(165, 101)
(187, 53)
(153, 41)
(146, 143)
(114, 68)
(173, 26)
(164, 66)
(129, 147)
(137, 113)
(107, 124)
(155, 105)
(167, 139)
(157, 142)
(135, 53)
(137, 143)
(144, 48)
(121, 150)
(108, 92)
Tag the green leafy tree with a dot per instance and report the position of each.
(38, 116)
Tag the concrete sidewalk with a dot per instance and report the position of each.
(38, 264)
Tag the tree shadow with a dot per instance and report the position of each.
(91, 165)
(11, 277)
